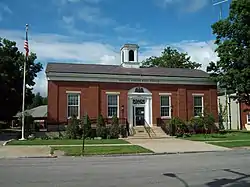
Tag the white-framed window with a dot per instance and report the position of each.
(198, 105)
(165, 106)
(248, 119)
(73, 104)
(113, 104)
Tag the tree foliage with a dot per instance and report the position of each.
(38, 100)
(11, 78)
(171, 58)
(232, 71)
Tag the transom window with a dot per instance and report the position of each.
(165, 106)
(198, 105)
(73, 105)
(112, 105)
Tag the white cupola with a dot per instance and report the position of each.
(129, 56)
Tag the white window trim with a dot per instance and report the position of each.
(117, 94)
(73, 92)
(79, 103)
(248, 122)
(170, 105)
(165, 94)
(202, 103)
(113, 93)
(197, 94)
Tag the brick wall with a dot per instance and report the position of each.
(94, 99)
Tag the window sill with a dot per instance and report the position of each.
(198, 116)
(69, 118)
(165, 117)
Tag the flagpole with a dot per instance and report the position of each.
(24, 85)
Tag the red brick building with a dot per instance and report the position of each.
(245, 116)
(141, 95)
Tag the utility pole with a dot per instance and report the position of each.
(220, 3)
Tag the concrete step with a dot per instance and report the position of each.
(159, 133)
(141, 133)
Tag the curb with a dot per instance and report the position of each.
(53, 156)
(122, 155)
(150, 154)
(17, 157)
(5, 143)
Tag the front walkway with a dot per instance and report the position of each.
(173, 145)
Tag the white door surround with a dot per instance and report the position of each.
(139, 96)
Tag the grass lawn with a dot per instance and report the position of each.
(232, 144)
(99, 150)
(66, 142)
(220, 137)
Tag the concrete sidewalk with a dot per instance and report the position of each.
(173, 145)
(24, 151)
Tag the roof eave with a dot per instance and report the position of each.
(128, 78)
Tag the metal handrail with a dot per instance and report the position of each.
(147, 126)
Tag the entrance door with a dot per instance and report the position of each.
(139, 116)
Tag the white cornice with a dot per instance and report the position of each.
(127, 79)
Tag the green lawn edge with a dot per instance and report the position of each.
(219, 137)
(99, 150)
(231, 144)
(66, 142)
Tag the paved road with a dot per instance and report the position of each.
(227, 169)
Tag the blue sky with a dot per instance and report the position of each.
(92, 31)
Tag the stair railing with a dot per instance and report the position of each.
(149, 129)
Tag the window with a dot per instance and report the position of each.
(165, 106)
(131, 55)
(248, 119)
(113, 105)
(198, 105)
(122, 56)
(73, 105)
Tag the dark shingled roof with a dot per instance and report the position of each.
(119, 70)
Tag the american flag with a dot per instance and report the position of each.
(26, 44)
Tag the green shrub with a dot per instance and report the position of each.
(101, 130)
(114, 128)
(204, 124)
(198, 124)
(209, 122)
(86, 126)
(177, 127)
(124, 132)
(73, 130)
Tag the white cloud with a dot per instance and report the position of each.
(184, 5)
(94, 15)
(52, 47)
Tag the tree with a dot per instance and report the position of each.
(38, 100)
(232, 71)
(11, 78)
(171, 58)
